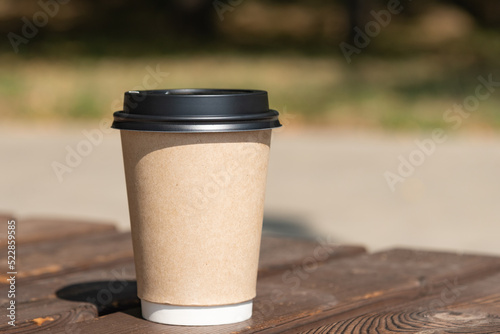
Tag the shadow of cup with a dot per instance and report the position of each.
(107, 296)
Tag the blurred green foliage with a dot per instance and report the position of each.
(428, 58)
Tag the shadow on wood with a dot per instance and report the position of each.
(107, 296)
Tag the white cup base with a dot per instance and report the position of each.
(196, 315)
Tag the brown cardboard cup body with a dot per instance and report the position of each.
(196, 207)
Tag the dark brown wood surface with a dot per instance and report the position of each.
(335, 291)
(95, 272)
(85, 282)
(123, 270)
(64, 255)
(453, 307)
(49, 314)
(30, 230)
(279, 254)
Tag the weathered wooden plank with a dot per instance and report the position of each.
(109, 288)
(375, 281)
(467, 317)
(104, 245)
(454, 307)
(62, 300)
(467, 321)
(131, 322)
(61, 256)
(113, 287)
(37, 229)
(58, 315)
(331, 291)
(278, 253)
(93, 280)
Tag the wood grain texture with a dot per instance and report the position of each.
(454, 307)
(122, 268)
(333, 291)
(415, 322)
(361, 284)
(109, 285)
(66, 255)
(60, 301)
(278, 254)
(272, 250)
(117, 277)
(37, 229)
(56, 315)
(131, 322)
(302, 287)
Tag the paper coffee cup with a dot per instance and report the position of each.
(195, 165)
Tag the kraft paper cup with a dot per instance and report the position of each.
(195, 165)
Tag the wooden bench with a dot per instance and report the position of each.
(78, 277)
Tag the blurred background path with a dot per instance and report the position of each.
(323, 183)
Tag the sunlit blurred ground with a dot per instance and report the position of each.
(346, 125)
(328, 183)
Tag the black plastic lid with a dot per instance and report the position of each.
(196, 110)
